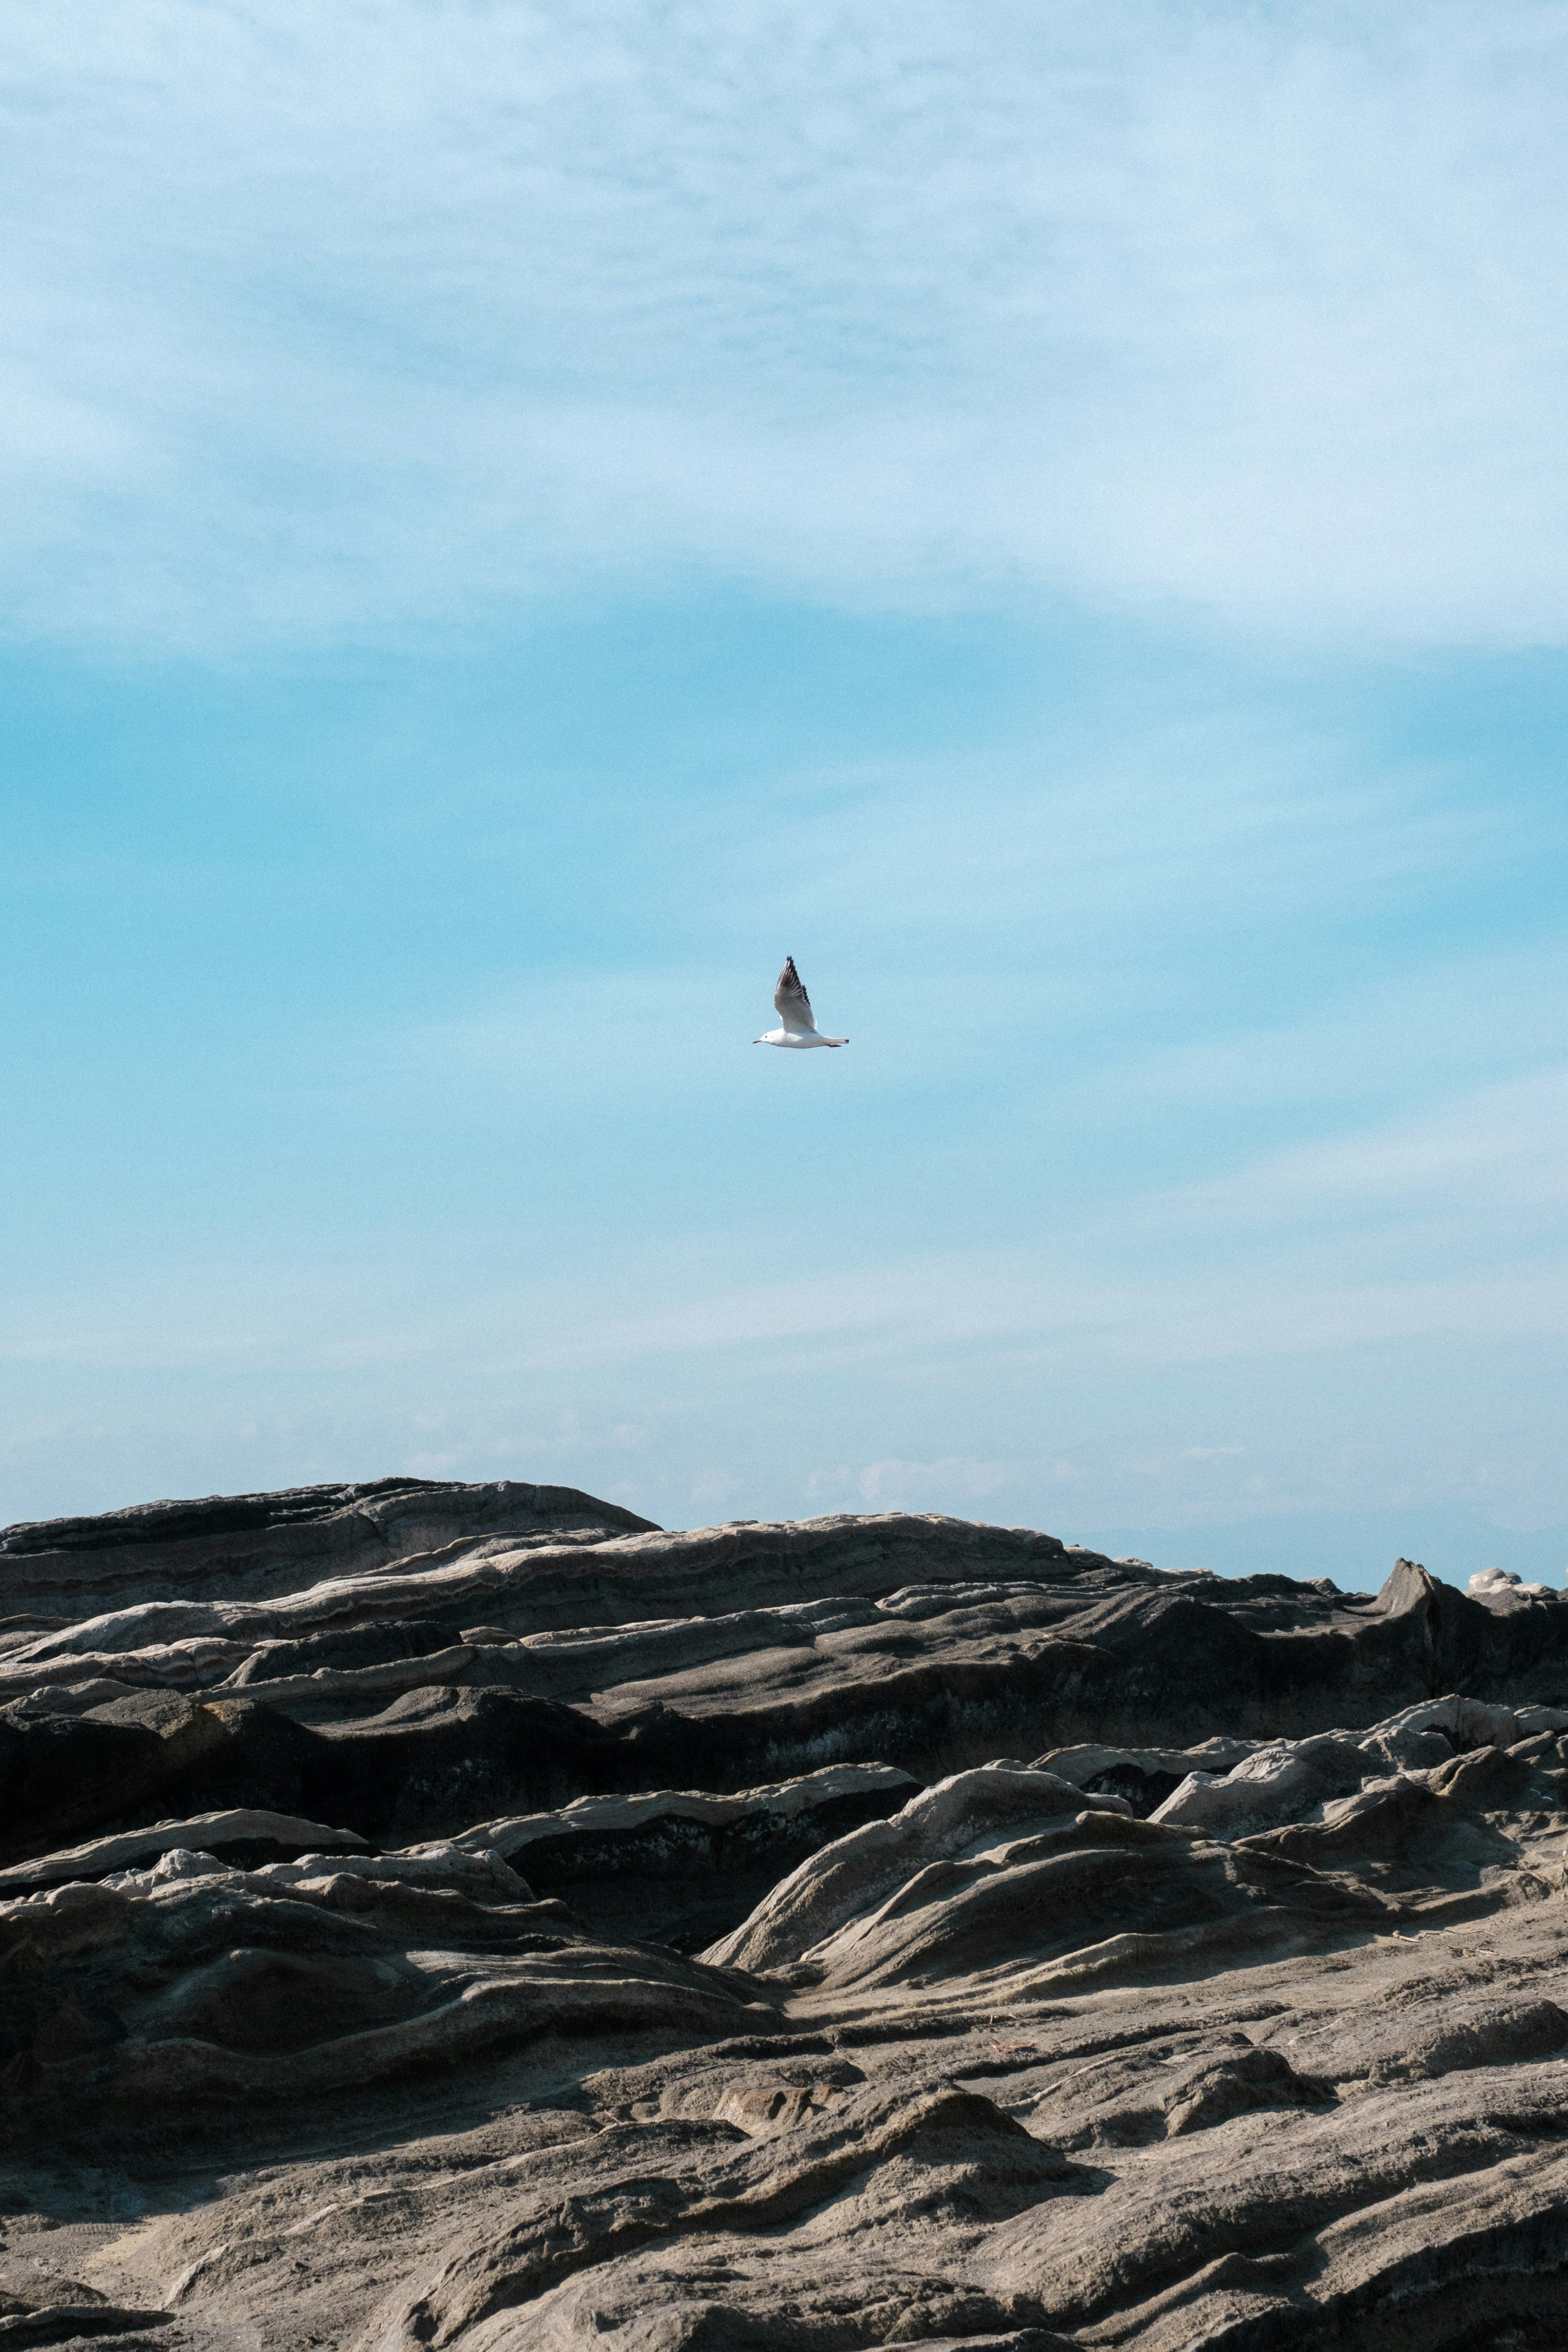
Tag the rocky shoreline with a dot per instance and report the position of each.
(434, 1914)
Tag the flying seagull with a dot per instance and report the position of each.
(795, 1014)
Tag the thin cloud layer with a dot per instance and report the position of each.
(329, 319)
(984, 501)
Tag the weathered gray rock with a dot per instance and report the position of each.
(1279, 1783)
(190, 1983)
(992, 1807)
(684, 1866)
(537, 1934)
(259, 1544)
(798, 1647)
(243, 1834)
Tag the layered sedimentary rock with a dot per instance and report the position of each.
(261, 1543)
(540, 1930)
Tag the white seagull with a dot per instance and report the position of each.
(794, 1008)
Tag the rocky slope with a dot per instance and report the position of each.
(458, 1916)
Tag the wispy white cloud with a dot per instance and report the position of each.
(375, 315)
(326, 318)
(1023, 918)
(916, 1317)
(1428, 1032)
(1469, 1160)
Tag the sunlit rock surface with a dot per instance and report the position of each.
(435, 1916)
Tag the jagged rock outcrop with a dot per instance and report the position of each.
(536, 1933)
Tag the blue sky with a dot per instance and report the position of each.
(516, 518)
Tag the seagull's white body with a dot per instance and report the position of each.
(793, 1009)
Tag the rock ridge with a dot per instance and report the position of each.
(471, 1917)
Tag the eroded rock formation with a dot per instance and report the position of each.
(445, 1917)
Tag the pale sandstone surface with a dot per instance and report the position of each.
(877, 1931)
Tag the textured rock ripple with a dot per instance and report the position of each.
(458, 1916)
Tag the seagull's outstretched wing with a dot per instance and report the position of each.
(792, 1002)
